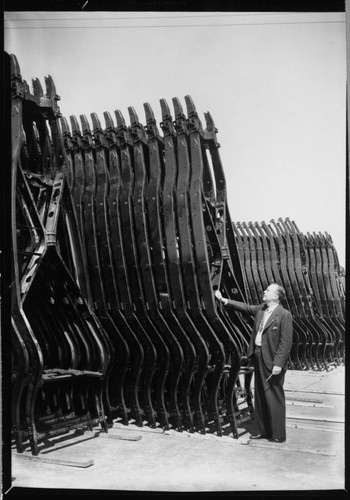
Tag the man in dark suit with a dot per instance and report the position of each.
(269, 347)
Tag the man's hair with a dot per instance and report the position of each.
(280, 292)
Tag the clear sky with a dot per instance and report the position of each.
(275, 84)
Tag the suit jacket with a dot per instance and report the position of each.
(277, 336)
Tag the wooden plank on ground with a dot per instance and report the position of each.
(132, 427)
(296, 423)
(57, 461)
(329, 393)
(294, 448)
(110, 435)
(310, 404)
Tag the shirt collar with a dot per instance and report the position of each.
(271, 308)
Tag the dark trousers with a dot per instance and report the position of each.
(269, 400)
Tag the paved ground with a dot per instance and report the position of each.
(144, 459)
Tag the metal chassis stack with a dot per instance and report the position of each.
(121, 234)
(120, 238)
(60, 353)
(308, 268)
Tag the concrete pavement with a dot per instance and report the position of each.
(311, 458)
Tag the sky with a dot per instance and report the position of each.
(274, 83)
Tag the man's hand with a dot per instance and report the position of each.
(276, 370)
(220, 297)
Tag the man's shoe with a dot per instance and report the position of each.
(278, 440)
(258, 436)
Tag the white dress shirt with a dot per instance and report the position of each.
(266, 316)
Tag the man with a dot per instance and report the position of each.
(269, 346)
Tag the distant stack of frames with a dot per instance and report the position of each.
(308, 268)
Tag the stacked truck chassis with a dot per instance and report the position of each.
(121, 235)
(307, 266)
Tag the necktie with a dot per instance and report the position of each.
(261, 327)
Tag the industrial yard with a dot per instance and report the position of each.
(155, 314)
(144, 459)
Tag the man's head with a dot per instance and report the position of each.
(274, 294)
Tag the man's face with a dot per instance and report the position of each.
(270, 293)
